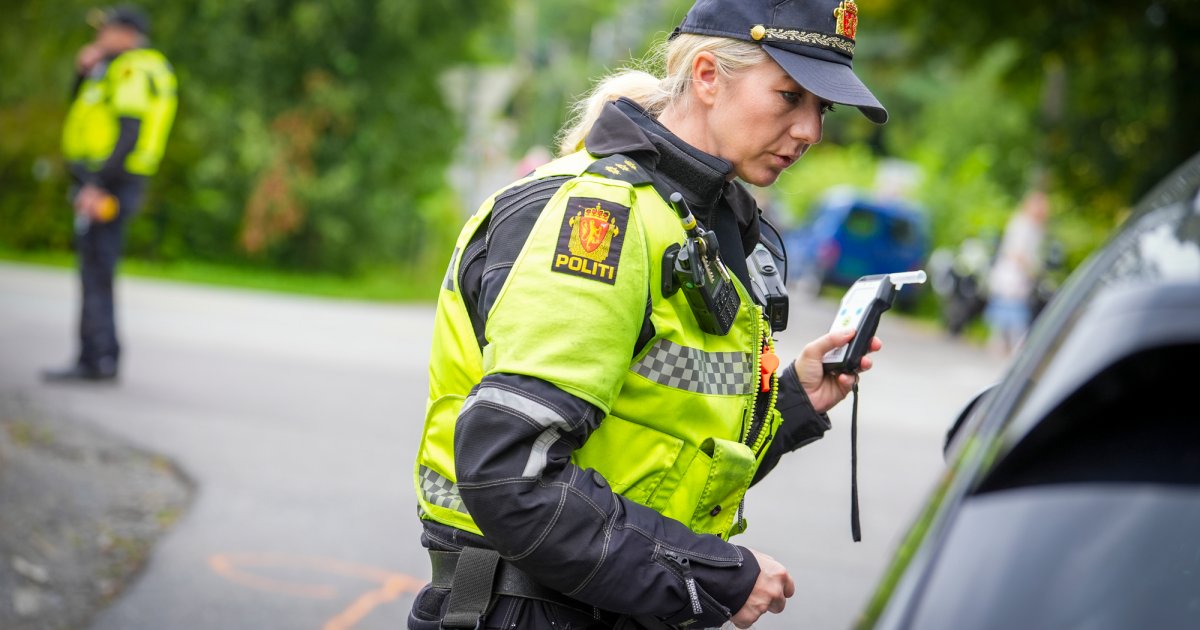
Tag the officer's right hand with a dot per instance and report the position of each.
(87, 200)
(771, 590)
(826, 390)
(88, 56)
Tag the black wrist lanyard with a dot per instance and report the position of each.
(855, 528)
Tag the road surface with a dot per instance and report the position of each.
(298, 420)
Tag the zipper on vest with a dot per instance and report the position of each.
(754, 433)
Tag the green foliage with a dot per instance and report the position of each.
(972, 142)
(825, 166)
(1111, 83)
(967, 140)
(978, 145)
(310, 135)
(564, 46)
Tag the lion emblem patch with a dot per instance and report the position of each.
(589, 243)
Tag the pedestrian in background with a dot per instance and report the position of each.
(113, 140)
(1015, 272)
(591, 429)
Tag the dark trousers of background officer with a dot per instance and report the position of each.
(98, 246)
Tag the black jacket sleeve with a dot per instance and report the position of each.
(113, 169)
(564, 525)
(801, 423)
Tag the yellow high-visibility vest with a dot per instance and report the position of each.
(677, 433)
(138, 83)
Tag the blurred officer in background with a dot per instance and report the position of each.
(591, 430)
(113, 140)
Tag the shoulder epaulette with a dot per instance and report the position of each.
(619, 167)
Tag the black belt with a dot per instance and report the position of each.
(485, 574)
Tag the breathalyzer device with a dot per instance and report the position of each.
(860, 309)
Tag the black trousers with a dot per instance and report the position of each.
(98, 247)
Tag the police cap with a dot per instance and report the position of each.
(812, 40)
(123, 15)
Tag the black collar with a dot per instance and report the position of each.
(624, 127)
(675, 166)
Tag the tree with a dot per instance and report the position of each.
(1113, 80)
(310, 134)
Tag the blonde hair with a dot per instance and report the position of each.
(655, 94)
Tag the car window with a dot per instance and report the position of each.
(1089, 437)
(862, 223)
(902, 232)
(1163, 249)
(1123, 557)
(1161, 242)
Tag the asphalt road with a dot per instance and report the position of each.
(298, 420)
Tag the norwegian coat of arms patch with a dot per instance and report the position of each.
(589, 243)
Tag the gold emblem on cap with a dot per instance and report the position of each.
(758, 32)
(846, 15)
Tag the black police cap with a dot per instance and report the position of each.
(813, 40)
(124, 15)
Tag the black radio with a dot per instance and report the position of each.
(696, 268)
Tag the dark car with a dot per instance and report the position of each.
(850, 235)
(1072, 494)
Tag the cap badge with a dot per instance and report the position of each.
(846, 15)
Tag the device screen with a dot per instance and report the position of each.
(851, 311)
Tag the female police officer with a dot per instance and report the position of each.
(593, 422)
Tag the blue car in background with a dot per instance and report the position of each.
(851, 235)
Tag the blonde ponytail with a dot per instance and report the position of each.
(655, 94)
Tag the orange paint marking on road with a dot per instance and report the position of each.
(239, 568)
(395, 586)
(231, 567)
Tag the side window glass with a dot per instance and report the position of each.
(862, 223)
(902, 232)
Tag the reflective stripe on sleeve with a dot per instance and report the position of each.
(540, 454)
(533, 410)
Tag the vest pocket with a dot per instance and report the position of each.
(633, 460)
(712, 488)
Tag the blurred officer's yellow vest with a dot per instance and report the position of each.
(138, 83)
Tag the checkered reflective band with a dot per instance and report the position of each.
(440, 491)
(689, 369)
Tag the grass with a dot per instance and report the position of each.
(383, 285)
